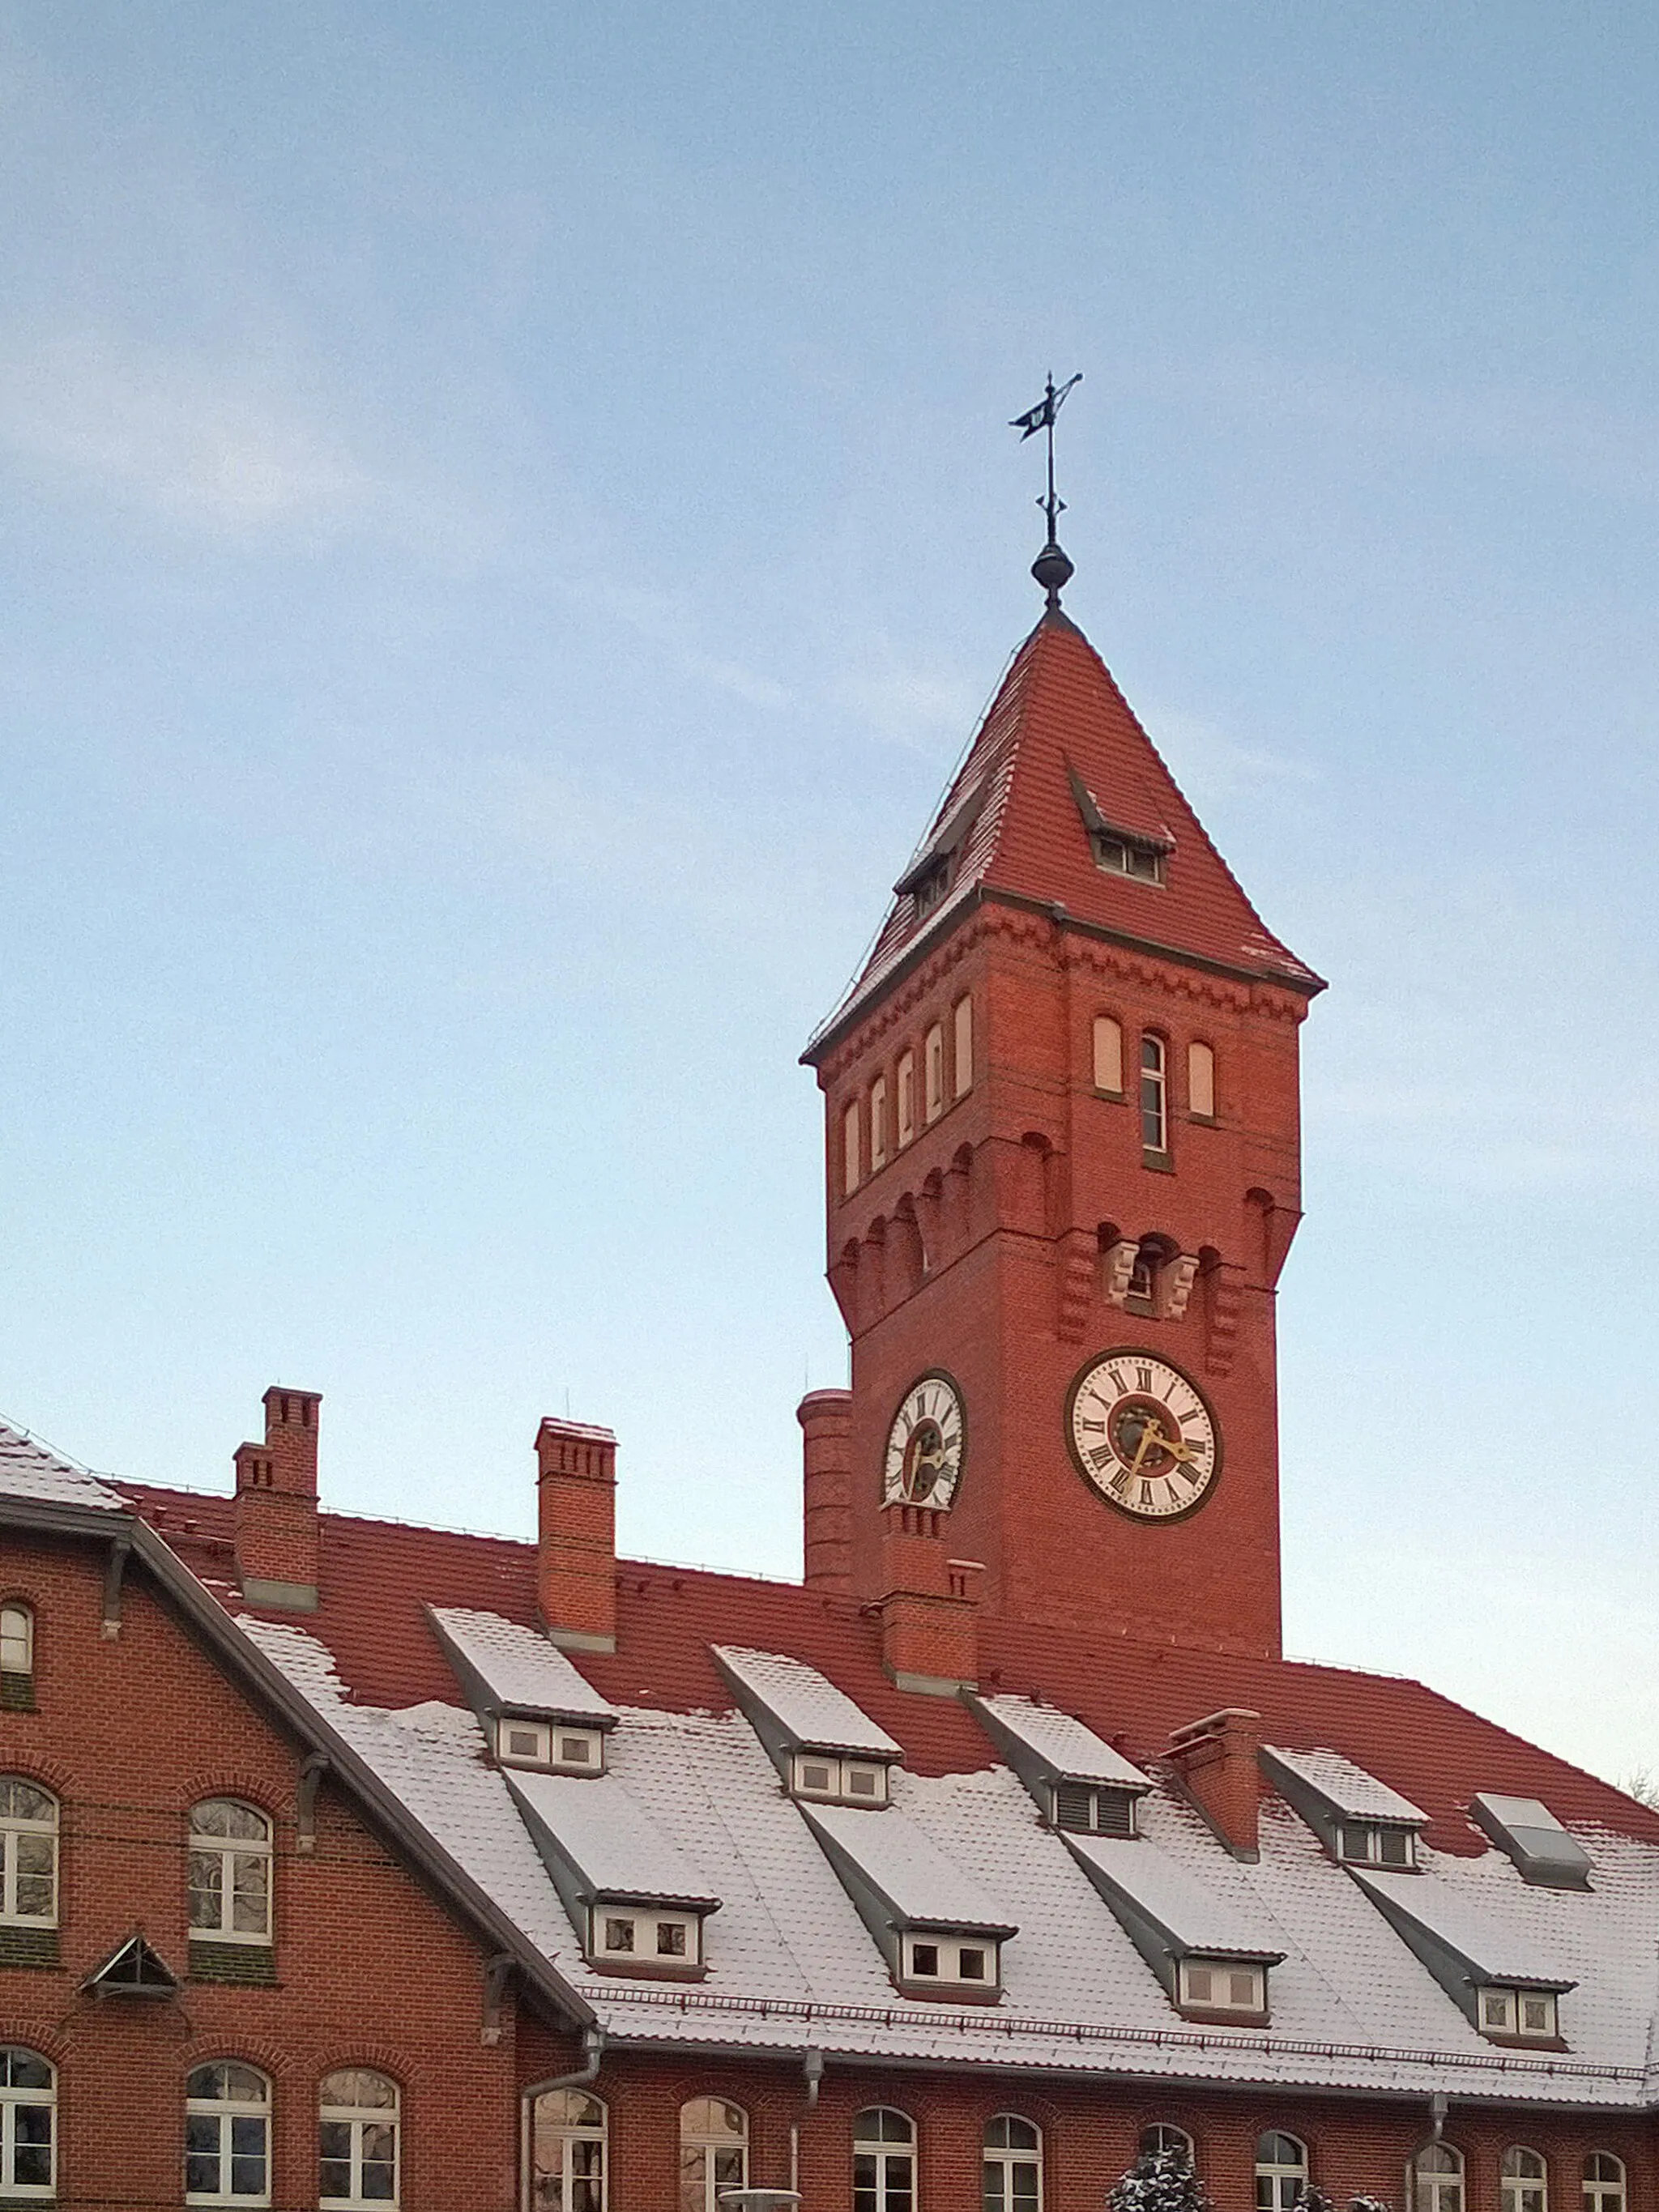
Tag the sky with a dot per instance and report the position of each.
(507, 519)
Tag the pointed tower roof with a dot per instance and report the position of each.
(1059, 765)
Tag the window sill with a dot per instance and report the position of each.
(1159, 1162)
(242, 1965)
(651, 1970)
(1524, 2042)
(1112, 1097)
(1205, 1121)
(23, 1946)
(17, 1693)
(1222, 2016)
(955, 1993)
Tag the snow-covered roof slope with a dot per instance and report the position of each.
(917, 1881)
(807, 1708)
(607, 1839)
(1492, 1945)
(510, 1668)
(1065, 1747)
(29, 1472)
(1347, 1790)
(1143, 1886)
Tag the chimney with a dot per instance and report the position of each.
(576, 1543)
(826, 1420)
(929, 1616)
(275, 1516)
(1215, 1761)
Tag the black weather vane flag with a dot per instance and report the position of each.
(1051, 568)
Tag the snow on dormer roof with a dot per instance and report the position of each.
(1051, 1740)
(1345, 1790)
(921, 1887)
(803, 1707)
(1447, 1928)
(508, 1669)
(600, 1834)
(1151, 1894)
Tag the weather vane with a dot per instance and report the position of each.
(1051, 568)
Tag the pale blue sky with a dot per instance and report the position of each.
(505, 519)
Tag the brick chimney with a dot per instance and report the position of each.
(275, 1516)
(1215, 1761)
(826, 1420)
(576, 1544)
(929, 1615)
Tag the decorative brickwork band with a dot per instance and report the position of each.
(275, 1522)
(576, 1544)
(826, 1420)
(1215, 1761)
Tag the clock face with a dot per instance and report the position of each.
(925, 1445)
(1142, 1435)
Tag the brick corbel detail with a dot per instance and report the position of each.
(1223, 1301)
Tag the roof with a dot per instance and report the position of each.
(606, 1836)
(1143, 1883)
(1013, 823)
(1347, 1790)
(515, 1669)
(1496, 1944)
(1056, 1742)
(1534, 1838)
(914, 1877)
(807, 1707)
(31, 1472)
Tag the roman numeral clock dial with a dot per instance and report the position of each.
(1143, 1436)
(925, 1444)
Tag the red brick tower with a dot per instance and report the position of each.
(1063, 1163)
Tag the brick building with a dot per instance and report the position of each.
(345, 1863)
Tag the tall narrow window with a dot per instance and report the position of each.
(964, 1047)
(1154, 1119)
(1160, 2140)
(1281, 2172)
(357, 2139)
(16, 1639)
(28, 2133)
(229, 1873)
(1013, 2165)
(1109, 1055)
(714, 2152)
(1604, 2182)
(1438, 2179)
(29, 1854)
(933, 1067)
(567, 2134)
(849, 1148)
(879, 1123)
(227, 2136)
(1522, 2183)
(907, 1097)
(884, 2161)
(1200, 1081)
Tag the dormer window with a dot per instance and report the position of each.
(1087, 1810)
(930, 887)
(1223, 1985)
(551, 1745)
(947, 1961)
(831, 1780)
(1373, 1843)
(1520, 2016)
(638, 1940)
(1119, 853)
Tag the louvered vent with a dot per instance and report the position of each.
(1089, 1811)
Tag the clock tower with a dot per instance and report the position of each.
(1063, 1175)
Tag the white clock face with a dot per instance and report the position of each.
(1142, 1435)
(925, 1445)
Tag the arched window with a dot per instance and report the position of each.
(714, 2152)
(1013, 2165)
(907, 1097)
(229, 1873)
(1438, 2179)
(567, 2133)
(879, 1123)
(357, 2138)
(1281, 2171)
(1160, 2140)
(884, 2161)
(29, 1854)
(1604, 2182)
(226, 2135)
(28, 2145)
(933, 1071)
(1154, 1116)
(849, 1148)
(1522, 2181)
(16, 1639)
(964, 1048)
(1200, 1081)
(1109, 1055)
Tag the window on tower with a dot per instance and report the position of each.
(879, 1123)
(933, 1067)
(1120, 853)
(849, 1128)
(907, 1097)
(1154, 1084)
(964, 1042)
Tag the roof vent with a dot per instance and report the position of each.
(1540, 1847)
(132, 1970)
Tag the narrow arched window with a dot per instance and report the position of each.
(1281, 2171)
(1604, 2182)
(1013, 2165)
(1160, 2140)
(1522, 2181)
(879, 1123)
(226, 2135)
(17, 1657)
(849, 1148)
(1200, 1081)
(907, 1097)
(1154, 1114)
(884, 2161)
(357, 2139)
(1108, 1055)
(28, 2123)
(568, 2130)
(964, 1047)
(1438, 2179)
(29, 1854)
(229, 1873)
(933, 1071)
(714, 2152)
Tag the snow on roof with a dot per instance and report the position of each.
(1064, 1746)
(1494, 1945)
(516, 1669)
(807, 1706)
(1527, 1830)
(1347, 1790)
(29, 1472)
(906, 1869)
(1140, 1883)
(608, 1839)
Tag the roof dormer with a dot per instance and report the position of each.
(1359, 1820)
(536, 1710)
(826, 1751)
(1540, 1847)
(1498, 1973)
(941, 1935)
(1212, 1960)
(636, 1900)
(1079, 1781)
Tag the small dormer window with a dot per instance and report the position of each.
(1525, 2015)
(1089, 1810)
(949, 1961)
(835, 1781)
(1374, 1843)
(640, 1940)
(930, 887)
(1122, 852)
(1222, 1985)
(550, 1746)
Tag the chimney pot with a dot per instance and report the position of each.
(275, 1518)
(576, 1540)
(1216, 1761)
(929, 1612)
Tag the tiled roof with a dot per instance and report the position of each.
(1061, 1743)
(29, 1470)
(903, 1864)
(807, 1704)
(1011, 821)
(516, 1668)
(1347, 1789)
(1193, 1913)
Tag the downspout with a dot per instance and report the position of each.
(812, 2068)
(594, 2052)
